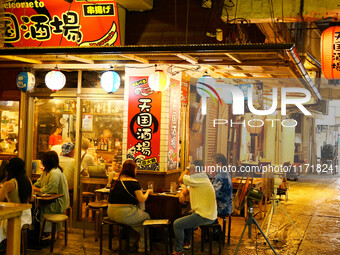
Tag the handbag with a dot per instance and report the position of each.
(141, 205)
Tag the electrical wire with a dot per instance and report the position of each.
(171, 70)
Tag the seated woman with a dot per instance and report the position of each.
(124, 196)
(18, 189)
(52, 181)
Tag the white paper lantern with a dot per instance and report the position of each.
(159, 81)
(110, 81)
(25, 81)
(55, 80)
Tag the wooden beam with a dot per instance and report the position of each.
(233, 58)
(188, 58)
(82, 60)
(136, 58)
(278, 71)
(21, 59)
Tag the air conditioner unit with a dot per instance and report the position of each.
(136, 5)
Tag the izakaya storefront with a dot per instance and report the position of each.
(135, 120)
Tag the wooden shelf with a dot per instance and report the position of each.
(103, 114)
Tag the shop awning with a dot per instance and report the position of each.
(222, 60)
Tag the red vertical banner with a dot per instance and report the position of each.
(174, 113)
(184, 93)
(144, 119)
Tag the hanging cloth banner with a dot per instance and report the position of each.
(39, 23)
(144, 120)
(174, 111)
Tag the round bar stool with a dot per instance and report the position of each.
(165, 225)
(97, 208)
(54, 219)
(107, 221)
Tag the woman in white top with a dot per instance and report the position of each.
(18, 189)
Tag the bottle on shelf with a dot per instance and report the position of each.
(101, 145)
(105, 145)
(109, 144)
(117, 143)
(84, 107)
(66, 106)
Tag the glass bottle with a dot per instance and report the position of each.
(109, 144)
(84, 107)
(105, 145)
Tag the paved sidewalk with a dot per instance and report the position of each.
(313, 205)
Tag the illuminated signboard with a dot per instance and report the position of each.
(39, 23)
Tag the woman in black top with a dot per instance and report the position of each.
(124, 197)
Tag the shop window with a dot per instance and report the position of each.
(54, 123)
(9, 114)
(102, 126)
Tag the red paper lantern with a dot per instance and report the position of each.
(330, 52)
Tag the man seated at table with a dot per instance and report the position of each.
(223, 186)
(202, 202)
(67, 162)
(86, 158)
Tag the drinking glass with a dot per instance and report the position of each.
(150, 185)
(173, 187)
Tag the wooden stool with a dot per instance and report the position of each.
(54, 219)
(111, 223)
(69, 213)
(224, 227)
(88, 197)
(164, 224)
(98, 208)
(24, 234)
(210, 228)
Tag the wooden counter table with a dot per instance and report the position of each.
(12, 212)
(161, 179)
(158, 205)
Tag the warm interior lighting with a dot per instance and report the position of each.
(158, 81)
(25, 81)
(330, 54)
(110, 81)
(55, 80)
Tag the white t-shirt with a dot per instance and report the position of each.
(88, 160)
(57, 149)
(202, 195)
(68, 165)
